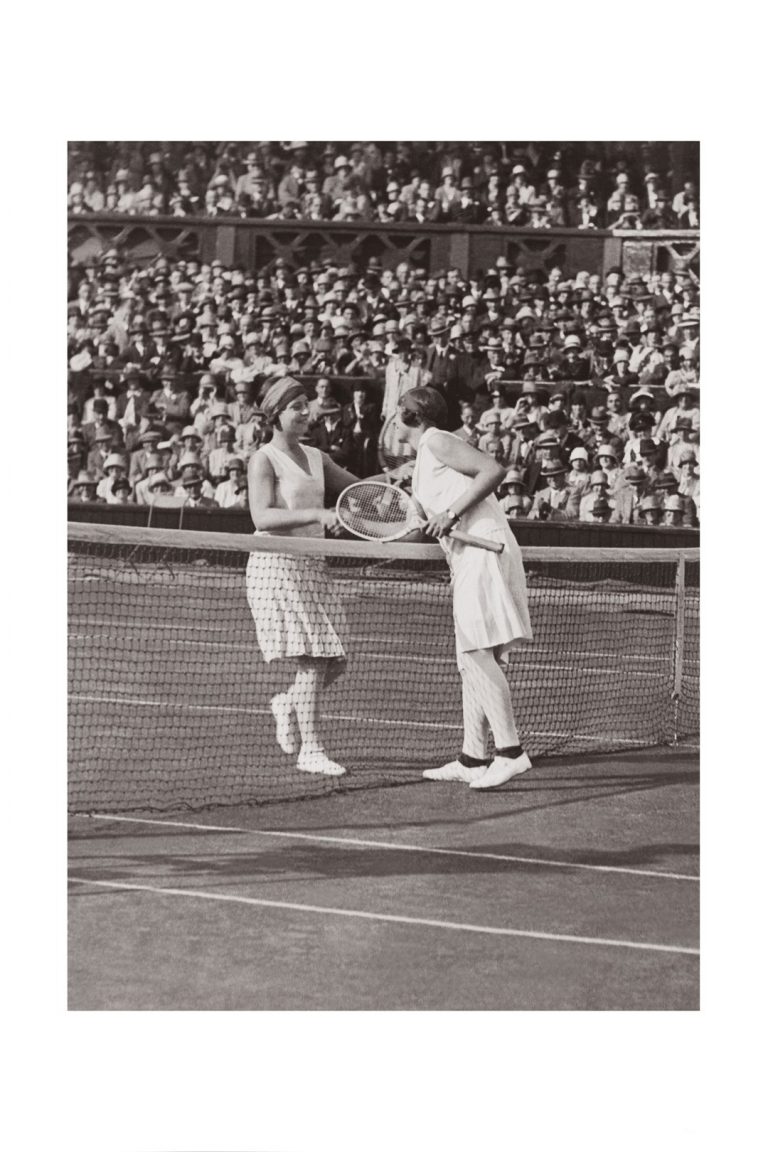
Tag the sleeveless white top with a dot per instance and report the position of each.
(295, 607)
(490, 602)
(296, 489)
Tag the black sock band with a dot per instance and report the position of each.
(510, 753)
(471, 762)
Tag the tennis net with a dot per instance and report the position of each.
(169, 694)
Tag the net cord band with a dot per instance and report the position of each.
(304, 545)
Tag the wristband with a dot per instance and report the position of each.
(455, 516)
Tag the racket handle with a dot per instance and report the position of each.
(478, 541)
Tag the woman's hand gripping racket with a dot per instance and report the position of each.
(376, 511)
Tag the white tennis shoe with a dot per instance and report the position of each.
(318, 762)
(501, 769)
(455, 772)
(287, 725)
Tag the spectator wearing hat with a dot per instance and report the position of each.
(557, 501)
(241, 409)
(191, 488)
(529, 403)
(660, 215)
(599, 433)
(650, 510)
(149, 439)
(222, 454)
(494, 439)
(647, 355)
(158, 484)
(172, 400)
(689, 483)
(620, 378)
(500, 408)
(556, 420)
(441, 365)
(218, 418)
(83, 488)
(153, 465)
(115, 468)
(684, 409)
(99, 392)
(200, 407)
(513, 495)
(546, 447)
(191, 465)
(514, 507)
(607, 461)
(466, 208)
(573, 365)
(652, 456)
(685, 377)
(120, 492)
(360, 416)
(140, 351)
(598, 491)
(335, 185)
(331, 435)
(250, 436)
(527, 432)
(102, 449)
(228, 491)
(494, 369)
(673, 512)
(188, 440)
(403, 372)
(578, 477)
(682, 444)
(628, 496)
(100, 422)
(447, 193)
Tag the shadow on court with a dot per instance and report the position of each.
(350, 900)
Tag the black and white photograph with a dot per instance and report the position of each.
(383, 514)
(358, 705)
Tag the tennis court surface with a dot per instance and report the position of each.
(197, 881)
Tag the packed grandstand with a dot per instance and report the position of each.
(583, 385)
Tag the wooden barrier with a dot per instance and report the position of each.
(258, 244)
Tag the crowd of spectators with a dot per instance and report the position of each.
(584, 387)
(585, 186)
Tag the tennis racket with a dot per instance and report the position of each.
(377, 511)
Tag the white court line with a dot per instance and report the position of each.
(395, 846)
(450, 925)
(179, 706)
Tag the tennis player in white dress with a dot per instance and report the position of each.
(291, 599)
(454, 484)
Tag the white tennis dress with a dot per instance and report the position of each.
(490, 602)
(292, 601)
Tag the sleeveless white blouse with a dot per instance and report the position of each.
(490, 602)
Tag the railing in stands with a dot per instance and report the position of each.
(470, 248)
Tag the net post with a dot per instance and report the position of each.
(679, 643)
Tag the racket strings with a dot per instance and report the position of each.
(374, 510)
